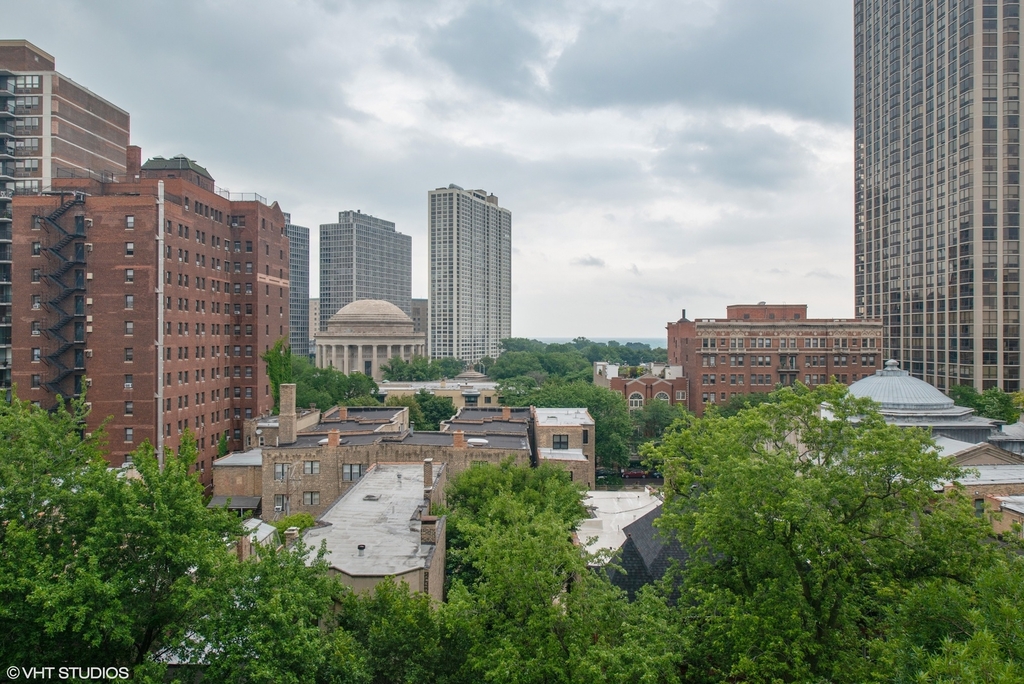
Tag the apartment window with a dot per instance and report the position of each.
(129, 275)
(129, 354)
(129, 434)
(36, 327)
(36, 381)
(351, 472)
(37, 275)
(636, 400)
(129, 408)
(280, 471)
(311, 498)
(37, 248)
(129, 301)
(129, 327)
(559, 441)
(248, 245)
(129, 222)
(311, 467)
(280, 502)
(129, 249)
(35, 353)
(37, 301)
(128, 381)
(681, 395)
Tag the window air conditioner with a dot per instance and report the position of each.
(278, 509)
(127, 385)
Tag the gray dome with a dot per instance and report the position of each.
(895, 390)
(370, 311)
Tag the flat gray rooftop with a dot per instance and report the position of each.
(253, 457)
(549, 454)
(378, 512)
(563, 416)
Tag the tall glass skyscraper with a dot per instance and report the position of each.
(937, 224)
(470, 261)
(298, 294)
(363, 257)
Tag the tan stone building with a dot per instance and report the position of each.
(307, 469)
(382, 529)
(469, 389)
(366, 334)
(565, 438)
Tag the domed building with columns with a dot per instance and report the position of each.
(365, 335)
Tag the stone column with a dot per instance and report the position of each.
(361, 367)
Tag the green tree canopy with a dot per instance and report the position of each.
(435, 409)
(612, 425)
(803, 527)
(279, 368)
(992, 403)
(327, 387)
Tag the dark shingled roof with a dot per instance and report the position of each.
(647, 554)
(178, 162)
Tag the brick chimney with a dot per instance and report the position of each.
(428, 529)
(133, 162)
(459, 439)
(287, 419)
(428, 472)
(244, 547)
(334, 438)
(291, 535)
(506, 413)
(343, 412)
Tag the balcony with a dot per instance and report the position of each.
(7, 151)
(6, 130)
(7, 110)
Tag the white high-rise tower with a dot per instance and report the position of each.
(470, 262)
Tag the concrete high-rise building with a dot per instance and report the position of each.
(937, 216)
(50, 127)
(314, 317)
(470, 262)
(363, 257)
(419, 315)
(158, 295)
(298, 305)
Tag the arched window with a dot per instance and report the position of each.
(636, 400)
(661, 396)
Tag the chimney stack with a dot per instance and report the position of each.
(459, 439)
(133, 162)
(287, 419)
(428, 472)
(244, 547)
(334, 438)
(291, 535)
(361, 548)
(343, 412)
(506, 413)
(428, 529)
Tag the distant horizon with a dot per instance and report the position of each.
(652, 341)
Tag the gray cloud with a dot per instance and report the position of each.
(668, 133)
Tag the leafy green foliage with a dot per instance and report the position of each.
(416, 417)
(653, 418)
(420, 368)
(435, 409)
(96, 568)
(740, 402)
(327, 387)
(809, 525)
(222, 446)
(613, 427)
(279, 368)
(300, 520)
(992, 403)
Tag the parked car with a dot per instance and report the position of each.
(634, 472)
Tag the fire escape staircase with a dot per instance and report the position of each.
(59, 318)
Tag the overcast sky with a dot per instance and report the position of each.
(655, 155)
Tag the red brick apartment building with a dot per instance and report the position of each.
(155, 295)
(757, 346)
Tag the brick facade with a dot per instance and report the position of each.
(99, 267)
(756, 347)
